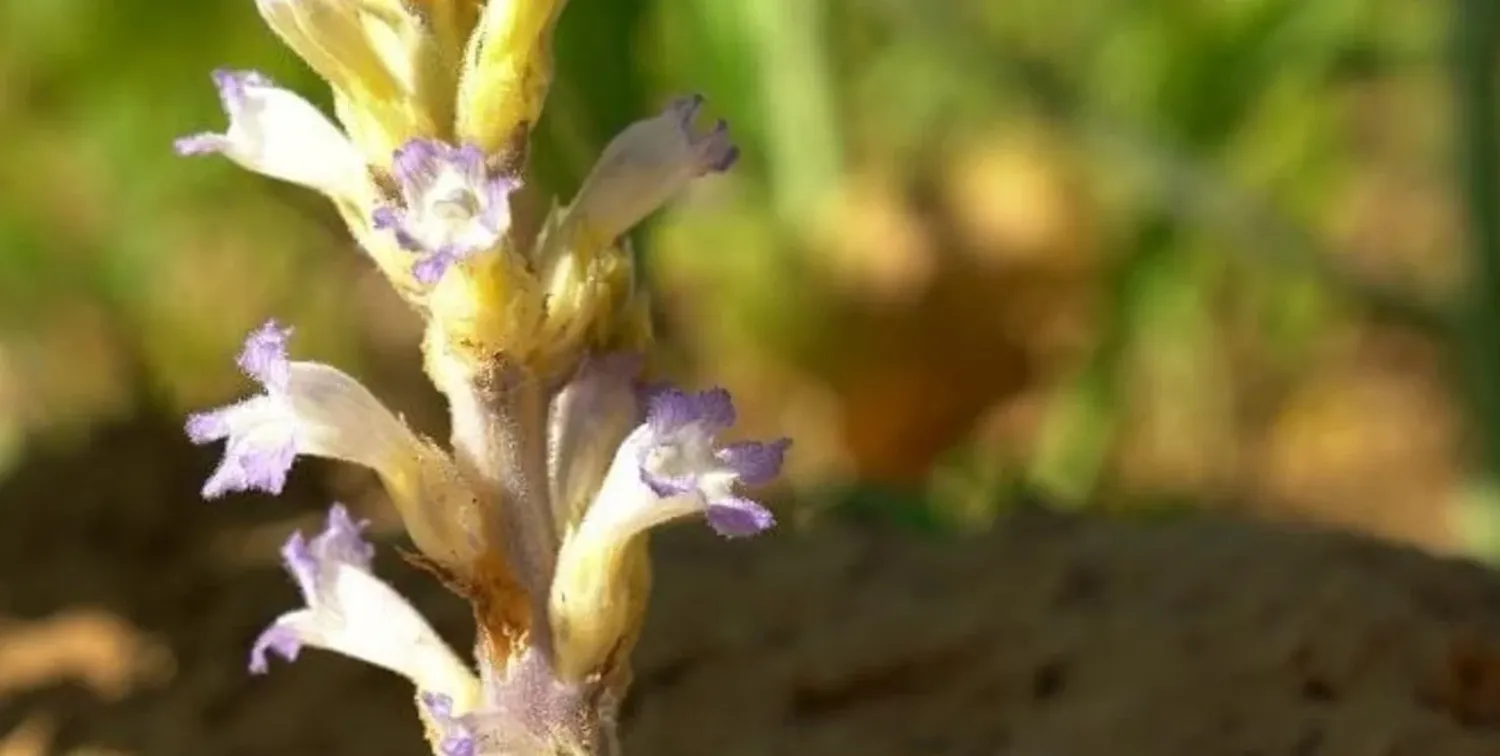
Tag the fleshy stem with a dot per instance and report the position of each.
(499, 417)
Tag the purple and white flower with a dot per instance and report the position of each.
(354, 613)
(452, 205)
(304, 408)
(643, 167)
(673, 465)
(275, 132)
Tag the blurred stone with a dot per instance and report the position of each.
(1369, 441)
(1014, 200)
(1058, 634)
(876, 246)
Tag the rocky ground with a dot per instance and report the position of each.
(127, 605)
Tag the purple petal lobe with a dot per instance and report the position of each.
(716, 410)
(737, 518)
(668, 410)
(250, 467)
(279, 639)
(712, 150)
(439, 705)
(232, 85)
(415, 165)
(672, 409)
(429, 269)
(384, 218)
(458, 745)
(756, 462)
(298, 558)
(207, 427)
(457, 736)
(341, 542)
(470, 159)
(200, 144)
(724, 158)
(343, 539)
(667, 486)
(685, 110)
(387, 218)
(264, 357)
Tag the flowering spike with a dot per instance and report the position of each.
(559, 466)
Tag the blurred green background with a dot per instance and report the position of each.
(1130, 256)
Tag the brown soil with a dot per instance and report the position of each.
(129, 605)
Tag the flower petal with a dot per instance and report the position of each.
(264, 356)
(259, 453)
(756, 463)
(278, 639)
(671, 409)
(666, 486)
(737, 517)
(587, 420)
(275, 132)
(207, 427)
(429, 268)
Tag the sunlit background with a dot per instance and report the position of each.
(1141, 257)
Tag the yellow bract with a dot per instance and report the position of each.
(486, 306)
(598, 602)
(392, 79)
(506, 72)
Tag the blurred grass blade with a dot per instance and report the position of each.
(803, 142)
(1476, 36)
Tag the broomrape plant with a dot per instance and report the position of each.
(562, 459)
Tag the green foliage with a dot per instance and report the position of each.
(1214, 135)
